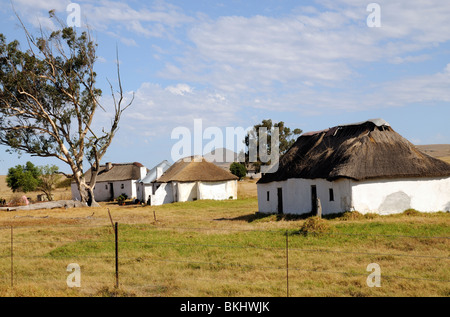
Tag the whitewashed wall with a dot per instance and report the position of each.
(179, 191)
(75, 192)
(375, 196)
(297, 196)
(102, 190)
(217, 190)
(186, 191)
(163, 195)
(145, 185)
(395, 196)
(144, 191)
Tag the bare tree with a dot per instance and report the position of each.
(48, 100)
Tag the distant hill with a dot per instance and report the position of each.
(222, 157)
(440, 151)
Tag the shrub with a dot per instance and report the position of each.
(121, 199)
(352, 215)
(371, 215)
(411, 212)
(315, 225)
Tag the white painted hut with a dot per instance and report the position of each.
(146, 187)
(366, 167)
(113, 180)
(193, 178)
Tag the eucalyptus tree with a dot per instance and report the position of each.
(49, 100)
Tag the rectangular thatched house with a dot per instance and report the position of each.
(366, 167)
(113, 180)
(193, 178)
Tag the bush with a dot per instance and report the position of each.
(315, 225)
(371, 215)
(411, 212)
(352, 215)
(121, 199)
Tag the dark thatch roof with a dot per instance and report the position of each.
(361, 151)
(190, 170)
(118, 172)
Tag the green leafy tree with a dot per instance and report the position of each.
(48, 179)
(23, 178)
(238, 169)
(48, 100)
(27, 178)
(287, 138)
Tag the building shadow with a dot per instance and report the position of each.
(257, 216)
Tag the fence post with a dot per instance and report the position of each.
(287, 264)
(116, 231)
(12, 259)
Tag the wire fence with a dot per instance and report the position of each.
(183, 261)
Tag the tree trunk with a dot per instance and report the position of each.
(86, 194)
(91, 199)
(49, 195)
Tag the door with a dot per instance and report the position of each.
(111, 191)
(280, 200)
(314, 199)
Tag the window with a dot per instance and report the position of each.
(331, 194)
(106, 186)
(268, 196)
(122, 186)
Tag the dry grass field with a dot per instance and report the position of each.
(6, 192)
(220, 248)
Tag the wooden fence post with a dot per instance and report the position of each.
(12, 259)
(287, 264)
(116, 232)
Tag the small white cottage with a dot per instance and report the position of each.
(146, 187)
(113, 180)
(193, 178)
(365, 166)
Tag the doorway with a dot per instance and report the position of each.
(314, 199)
(280, 200)
(111, 191)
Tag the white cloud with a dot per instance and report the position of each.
(311, 60)
(158, 108)
(180, 89)
(156, 19)
(260, 53)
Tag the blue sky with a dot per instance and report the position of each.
(312, 64)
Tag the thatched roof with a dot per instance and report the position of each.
(360, 151)
(117, 172)
(192, 170)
